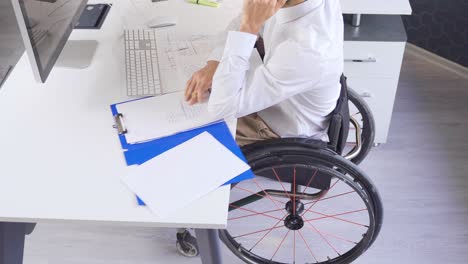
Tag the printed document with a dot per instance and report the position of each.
(188, 65)
(161, 116)
(170, 46)
(173, 180)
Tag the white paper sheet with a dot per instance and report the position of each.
(162, 116)
(169, 47)
(188, 65)
(181, 175)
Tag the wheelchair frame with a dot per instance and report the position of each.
(334, 151)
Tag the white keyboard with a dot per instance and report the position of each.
(141, 62)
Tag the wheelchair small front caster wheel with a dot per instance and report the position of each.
(187, 244)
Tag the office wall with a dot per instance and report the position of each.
(440, 26)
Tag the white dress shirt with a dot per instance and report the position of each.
(297, 85)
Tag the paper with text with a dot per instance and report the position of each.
(188, 65)
(173, 180)
(170, 46)
(161, 116)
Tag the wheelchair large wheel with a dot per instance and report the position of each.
(304, 206)
(362, 113)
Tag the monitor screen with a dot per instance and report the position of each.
(46, 28)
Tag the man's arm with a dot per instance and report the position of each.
(255, 14)
(201, 81)
(217, 52)
(239, 90)
(199, 84)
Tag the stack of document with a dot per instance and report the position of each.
(162, 116)
(188, 65)
(176, 153)
(171, 46)
(173, 180)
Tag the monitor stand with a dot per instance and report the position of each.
(77, 54)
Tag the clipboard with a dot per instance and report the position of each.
(139, 153)
(119, 125)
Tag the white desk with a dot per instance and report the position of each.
(60, 157)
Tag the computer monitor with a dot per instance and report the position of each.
(45, 26)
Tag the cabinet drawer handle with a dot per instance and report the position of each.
(370, 59)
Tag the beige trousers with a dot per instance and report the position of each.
(251, 129)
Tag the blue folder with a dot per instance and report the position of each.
(139, 153)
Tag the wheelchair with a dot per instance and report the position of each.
(309, 201)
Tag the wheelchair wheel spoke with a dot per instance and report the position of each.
(257, 194)
(268, 195)
(310, 181)
(332, 235)
(266, 234)
(302, 226)
(338, 195)
(320, 198)
(324, 238)
(294, 247)
(279, 179)
(280, 244)
(331, 197)
(307, 245)
(259, 231)
(325, 216)
(255, 212)
(294, 191)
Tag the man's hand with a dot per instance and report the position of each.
(257, 12)
(198, 86)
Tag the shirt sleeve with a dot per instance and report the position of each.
(239, 90)
(220, 41)
(217, 53)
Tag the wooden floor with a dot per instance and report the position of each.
(422, 174)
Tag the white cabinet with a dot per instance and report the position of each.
(373, 56)
(379, 94)
(373, 70)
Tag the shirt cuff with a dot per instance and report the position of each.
(216, 54)
(239, 44)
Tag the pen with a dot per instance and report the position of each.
(204, 2)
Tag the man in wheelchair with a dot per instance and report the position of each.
(306, 200)
(293, 91)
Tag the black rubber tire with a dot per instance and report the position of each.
(368, 133)
(280, 151)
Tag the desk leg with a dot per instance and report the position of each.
(208, 243)
(12, 241)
